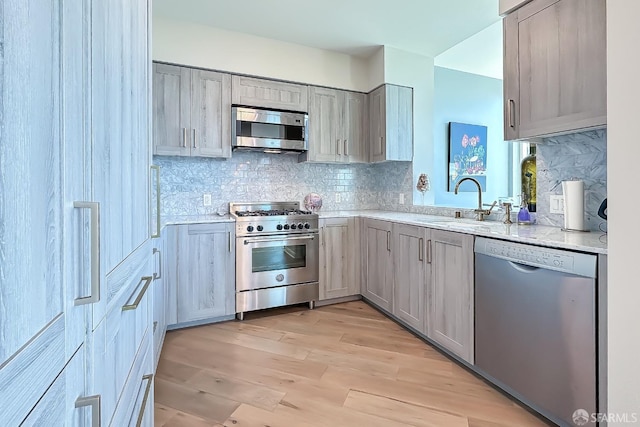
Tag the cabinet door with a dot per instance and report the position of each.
(160, 297)
(561, 66)
(254, 92)
(377, 281)
(354, 127)
(398, 116)
(451, 310)
(210, 114)
(324, 122)
(206, 271)
(171, 110)
(410, 280)
(337, 258)
(377, 125)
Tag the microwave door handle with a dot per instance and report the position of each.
(279, 239)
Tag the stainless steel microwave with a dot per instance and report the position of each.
(269, 131)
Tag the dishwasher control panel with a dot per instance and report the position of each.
(536, 256)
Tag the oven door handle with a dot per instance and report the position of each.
(280, 239)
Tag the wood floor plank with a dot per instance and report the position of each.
(341, 365)
(406, 413)
(193, 401)
(237, 390)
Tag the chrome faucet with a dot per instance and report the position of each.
(480, 211)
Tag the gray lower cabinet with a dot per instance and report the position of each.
(339, 258)
(202, 257)
(391, 123)
(555, 68)
(254, 92)
(337, 126)
(191, 112)
(160, 296)
(450, 296)
(377, 263)
(410, 275)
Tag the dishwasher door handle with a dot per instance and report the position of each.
(523, 268)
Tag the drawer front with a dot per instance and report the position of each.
(118, 340)
(135, 406)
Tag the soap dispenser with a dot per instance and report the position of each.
(524, 216)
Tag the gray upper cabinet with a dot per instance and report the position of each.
(410, 275)
(554, 68)
(450, 297)
(205, 274)
(337, 126)
(253, 92)
(377, 263)
(192, 112)
(391, 123)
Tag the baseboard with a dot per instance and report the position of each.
(338, 300)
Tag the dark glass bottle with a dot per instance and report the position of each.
(528, 179)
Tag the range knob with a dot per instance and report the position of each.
(260, 228)
(307, 226)
(286, 226)
(300, 226)
(279, 226)
(250, 228)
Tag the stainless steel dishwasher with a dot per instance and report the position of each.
(535, 325)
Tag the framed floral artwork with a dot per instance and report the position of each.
(467, 155)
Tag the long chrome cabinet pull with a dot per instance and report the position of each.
(95, 252)
(184, 137)
(346, 148)
(136, 303)
(157, 170)
(195, 144)
(389, 241)
(158, 275)
(149, 379)
(338, 147)
(429, 251)
(420, 249)
(322, 236)
(511, 112)
(94, 402)
(229, 235)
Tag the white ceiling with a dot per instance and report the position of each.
(479, 54)
(354, 27)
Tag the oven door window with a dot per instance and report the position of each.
(278, 258)
(269, 131)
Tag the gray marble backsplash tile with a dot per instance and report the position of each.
(251, 176)
(580, 155)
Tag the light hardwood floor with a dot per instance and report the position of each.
(340, 365)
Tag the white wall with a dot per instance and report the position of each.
(187, 43)
(623, 92)
(408, 69)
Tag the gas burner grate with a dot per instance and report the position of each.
(273, 212)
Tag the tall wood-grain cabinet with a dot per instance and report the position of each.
(410, 275)
(377, 263)
(450, 296)
(160, 296)
(75, 154)
(191, 111)
(554, 68)
(201, 271)
(337, 126)
(391, 123)
(339, 257)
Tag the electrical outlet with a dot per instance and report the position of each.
(401, 199)
(207, 199)
(556, 204)
(338, 198)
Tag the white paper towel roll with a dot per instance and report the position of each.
(573, 205)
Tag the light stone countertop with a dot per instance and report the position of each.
(541, 235)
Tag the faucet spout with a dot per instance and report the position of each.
(481, 212)
(475, 181)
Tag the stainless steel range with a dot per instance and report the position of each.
(277, 252)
